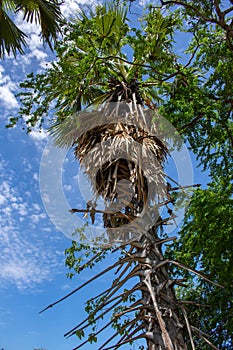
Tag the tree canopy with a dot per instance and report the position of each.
(192, 88)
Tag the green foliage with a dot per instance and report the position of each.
(43, 12)
(81, 256)
(15, 38)
(205, 244)
(90, 53)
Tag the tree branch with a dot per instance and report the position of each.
(198, 273)
(190, 7)
(204, 337)
(188, 326)
(83, 285)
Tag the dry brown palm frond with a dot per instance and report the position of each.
(123, 157)
(119, 142)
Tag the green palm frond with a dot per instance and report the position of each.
(107, 26)
(43, 12)
(101, 99)
(8, 5)
(65, 133)
(12, 39)
(110, 18)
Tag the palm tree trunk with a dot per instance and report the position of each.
(163, 330)
(159, 314)
(116, 152)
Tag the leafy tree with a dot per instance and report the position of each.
(45, 12)
(206, 107)
(103, 60)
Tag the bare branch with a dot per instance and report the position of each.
(189, 302)
(204, 337)
(183, 187)
(190, 7)
(198, 273)
(129, 309)
(83, 285)
(188, 326)
(228, 10)
(129, 339)
(162, 241)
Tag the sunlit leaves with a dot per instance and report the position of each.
(46, 13)
(206, 243)
(89, 53)
(12, 39)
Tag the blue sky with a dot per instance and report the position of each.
(32, 271)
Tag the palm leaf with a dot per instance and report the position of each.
(8, 6)
(12, 39)
(46, 13)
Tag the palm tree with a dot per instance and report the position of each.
(123, 120)
(45, 12)
(105, 102)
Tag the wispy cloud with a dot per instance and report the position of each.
(27, 258)
(27, 250)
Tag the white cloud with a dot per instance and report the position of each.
(70, 7)
(38, 54)
(38, 135)
(36, 206)
(35, 42)
(27, 27)
(37, 217)
(68, 188)
(7, 88)
(2, 200)
(35, 176)
(46, 229)
(26, 259)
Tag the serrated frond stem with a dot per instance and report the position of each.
(164, 333)
(116, 346)
(185, 267)
(83, 285)
(130, 309)
(188, 326)
(102, 305)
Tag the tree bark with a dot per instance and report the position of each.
(163, 330)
